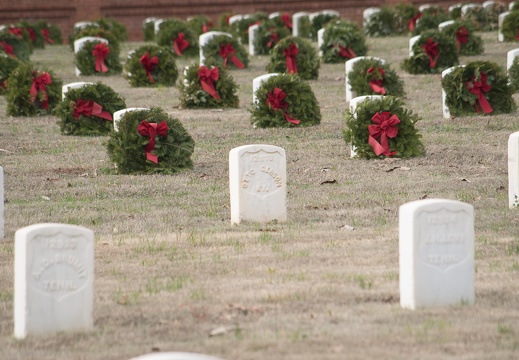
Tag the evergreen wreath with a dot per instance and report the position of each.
(306, 59)
(35, 36)
(213, 47)
(13, 45)
(268, 36)
(510, 26)
(21, 34)
(134, 153)
(193, 95)
(318, 22)
(369, 75)
(115, 27)
(513, 74)
(471, 87)
(7, 65)
(95, 31)
(492, 15)
(465, 38)
(442, 53)
(79, 116)
(405, 144)
(86, 61)
(200, 24)
(297, 104)
(163, 71)
(455, 13)
(240, 28)
(185, 45)
(25, 98)
(304, 27)
(148, 31)
(382, 23)
(406, 16)
(342, 40)
(51, 33)
(430, 19)
(478, 17)
(223, 21)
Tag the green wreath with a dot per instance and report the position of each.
(193, 96)
(92, 125)
(455, 12)
(461, 101)
(165, 73)
(510, 27)
(492, 15)
(478, 17)
(421, 62)
(406, 143)
(513, 74)
(431, 18)
(95, 31)
(465, 38)
(318, 22)
(300, 101)
(52, 31)
(200, 24)
(268, 36)
(148, 31)
(170, 30)
(86, 61)
(307, 59)
(7, 65)
(240, 29)
(20, 102)
(304, 27)
(21, 34)
(342, 40)
(382, 23)
(35, 36)
(20, 48)
(115, 27)
(406, 16)
(211, 51)
(127, 148)
(367, 71)
(223, 21)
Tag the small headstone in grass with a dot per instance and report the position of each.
(444, 24)
(368, 13)
(75, 85)
(1, 203)
(205, 38)
(79, 43)
(174, 356)
(256, 83)
(353, 109)
(446, 111)
(510, 57)
(500, 19)
(53, 279)
(468, 7)
(156, 25)
(257, 181)
(119, 114)
(436, 249)
(296, 18)
(411, 44)
(513, 170)
(320, 40)
(80, 25)
(274, 15)
(423, 7)
(253, 32)
(349, 67)
(235, 18)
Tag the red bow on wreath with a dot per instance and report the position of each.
(7, 48)
(101, 52)
(290, 56)
(18, 32)
(90, 108)
(285, 18)
(384, 127)
(479, 88)
(274, 38)
(346, 52)
(39, 83)
(207, 78)
(32, 33)
(149, 64)
(462, 36)
(180, 43)
(227, 51)
(412, 22)
(152, 130)
(376, 84)
(207, 26)
(517, 35)
(430, 49)
(276, 101)
(46, 36)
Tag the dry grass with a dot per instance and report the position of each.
(170, 267)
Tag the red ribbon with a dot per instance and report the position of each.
(517, 35)
(226, 52)
(152, 130)
(430, 49)
(32, 33)
(346, 52)
(207, 26)
(7, 48)
(412, 22)
(376, 84)
(274, 38)
(287, 20)
(207, 79)
(462, 36)
(290, 55)
(101, 52)
(90, 108)
(149, 64)
(180, 43)
(385, 126)
(39, 83)
(479, 88)
(276, 101)
(16, 31)
(46, 36)
(3, 84)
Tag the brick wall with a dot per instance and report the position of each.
(132, 12)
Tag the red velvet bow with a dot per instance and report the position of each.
(207, 26)
(290, 55)
(90, 108)
(479, 88)
(46, 36)
(412, 22)
(430, 49)
(32, 33)
(180, 43)
(152, 130)
(207, 79)
(16, 31)
(3, 84)
(7, 48)
(287, 20)
(274, 38)
(385, 126)
(226, 52)
(149, 64)
(39, 83)
(376, 84)
(346, 52)
(462, 36)
(276, 101)
(101, 52)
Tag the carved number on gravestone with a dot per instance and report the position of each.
(260, 174)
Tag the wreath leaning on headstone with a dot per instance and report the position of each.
(318, 22)
(285, 101)
(7, 65)
(464, 35)
(148, 31)
(406, 15)
(35, 36)
(177, 35)
(430, 19)
(294, 55)
(208, 86)
(88, 110)
(14, 46)
(98, 58)
(480, 87)
(150, 141)
(200, 24)
(225, 50)
(371, 77)
(51, 33)
(268, 36)
(32, 92)
(382, 23)
(383, 127)
(113, 26)
(510, 27)
(342, 40)
(95, 31)
(151, 66)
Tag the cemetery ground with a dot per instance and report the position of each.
(170, 269)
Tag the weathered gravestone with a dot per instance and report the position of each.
(79, 43)
(257, 181)
(367, 14)
(412, 41)
(510, 57)
(274, 15)
(296, 19)
(1, 203)
(253, 33)
(75, 85)
(468, 7)
(451, 8)
(353, 109)
(120, 113)
(53, 279)
(235, 18)
(205, 38)
(423, 7)
(436, 247)
(156, 25)
(174, 356)
(80, 25)
(444, 24)
(320, 40)
(349, 67)
(511, 5)
(513, 170)
(446, 111)
(500, 19)
(256, 83)
(488, 4)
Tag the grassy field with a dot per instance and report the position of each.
(169, 267)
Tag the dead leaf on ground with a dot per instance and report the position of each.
(393, 168)
(501, 188)
(328, 182)
(46, 198)
(203, 176)
(464, 179)
(268, 230)
(221, 330)
(347, 228)
(325, 169)
(424, 196)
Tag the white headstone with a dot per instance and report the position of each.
(423, 7)
(468, 7)
(75, 85)
(256, 83)
(454, 6)
(174, 356)
(2, 233)
(205, 38)
(313, 15)
(253, 32)
(368, 13)
(444, 24)
(2, 27)
(353, 109)
(488, 4)
(511, 5)
(349, 67)
(411, 44)
(330, 12)
(500, 19)
(120, 113)
(156, 25)
(53, 279)
(80, 25)
(436, 247)
(274, 15)
(320, 40)
(513, 170)
(510, 57)
(148, 20)
(258, 182)
(79, 43)
(446, 111)
(235, 18)
(296, 19)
